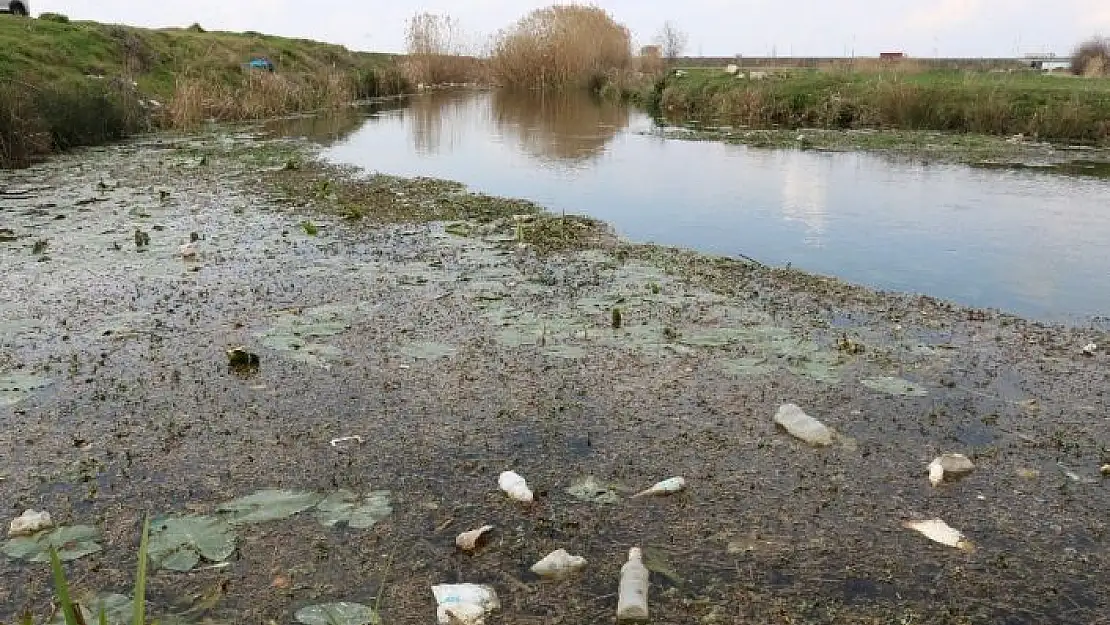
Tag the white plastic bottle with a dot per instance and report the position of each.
(632, 596)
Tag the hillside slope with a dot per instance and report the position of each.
(64, 84)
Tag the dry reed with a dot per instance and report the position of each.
(257, 96)
(1092, 58)
(437, 52)
(563, 46)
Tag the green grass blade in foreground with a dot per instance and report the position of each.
(139, 615)
(61, 588)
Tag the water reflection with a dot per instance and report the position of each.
(571, 126)
(327, 129)
(1024, 242)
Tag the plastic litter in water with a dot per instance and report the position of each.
(938, 531)
(464, 604)
(468, 541)
(668, 486)
(800, 425)
(30, 523)
(949, 467)
(515, 486)
(632, 594)
(559, 564)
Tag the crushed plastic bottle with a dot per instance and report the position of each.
(468, 541)
(949, 467)
(515, 486)
(632, 596)
(464, 604)
(559, 564)
(30, 523)
(668, 486)
(803, 426)
(938, 531)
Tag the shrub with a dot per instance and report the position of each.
(561, 46)
(54, 17)
(1092, 58)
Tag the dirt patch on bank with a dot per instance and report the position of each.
(459, 341)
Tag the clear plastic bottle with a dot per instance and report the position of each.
(632, 596)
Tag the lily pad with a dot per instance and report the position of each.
(268, 505)
(16, 387)
(747, 366)
(820, 366)
(590, 490)
(118, 610)
(895, 386)
(428, 350)
(342, 613)
(657, 561)
(178, 544)
(71, 542)
(357, 512)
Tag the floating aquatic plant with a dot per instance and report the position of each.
(357, 512)
(342, 613)
(70, 542)
(179, 543)
(894, 386)
(268, 505)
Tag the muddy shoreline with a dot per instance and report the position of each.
(461, 336)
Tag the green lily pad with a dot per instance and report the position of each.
(657, 561)
(72, 543)
(747, 366)
(16, 387)
(268, 505)
(894, 386)
(118, 609)
(357, 512)
(342, 613)
(820, 366)
(590, 490)
(179, 543)
(428, 350)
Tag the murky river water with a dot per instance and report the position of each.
(1025, 242)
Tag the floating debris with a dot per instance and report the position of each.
(1075, 477)
(188, 250)
(342, 613)
(668, 486)
(240, 358)
(268, 505)
(71, 543)
(1090, 349)
(590, 490)
(464, 604)
(949, 467)
(1105, 470)
(344, 506)
(938, 531)
(894, 386)
(179, 543)
(515, 486)
(142, 239)
(30, 523)
(468, 541)
(559, 564)
(800, 425)
(336, 442)
(632, 595)
(1028, 474)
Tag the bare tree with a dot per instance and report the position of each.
(672, 41)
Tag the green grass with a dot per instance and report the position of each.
(1049, 107)
(64, 84)
(71, 611)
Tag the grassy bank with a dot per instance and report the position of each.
(65, 84)
(1036, 105)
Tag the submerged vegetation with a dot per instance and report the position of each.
(1046, 107)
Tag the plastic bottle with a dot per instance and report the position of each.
(668, 486)
(632, 596)
(515, 486)
(559, 564)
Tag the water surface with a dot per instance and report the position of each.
(1026, 242)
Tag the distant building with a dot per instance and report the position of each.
(890, 56)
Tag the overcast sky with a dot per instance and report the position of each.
(715, 27)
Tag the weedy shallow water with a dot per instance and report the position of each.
(456, 353)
